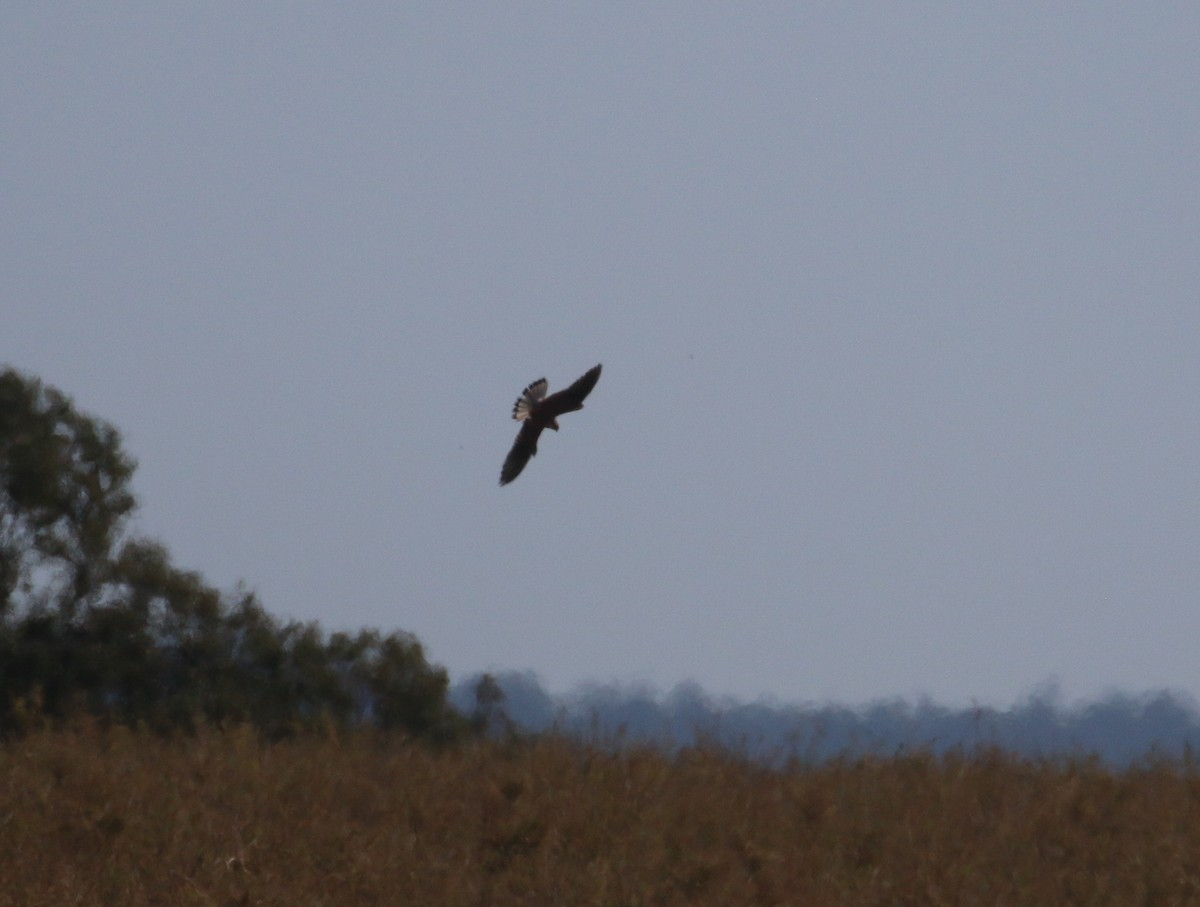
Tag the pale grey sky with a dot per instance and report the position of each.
(898, 305)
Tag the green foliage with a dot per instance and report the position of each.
(64, 497)
(92, 621)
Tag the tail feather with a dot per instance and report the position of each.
(523, 408)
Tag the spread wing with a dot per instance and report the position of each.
(523, 448)
(571, 398)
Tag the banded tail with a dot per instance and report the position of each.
(523, 408)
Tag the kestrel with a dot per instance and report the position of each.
(537, 411)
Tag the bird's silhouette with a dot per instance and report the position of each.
(535, 411)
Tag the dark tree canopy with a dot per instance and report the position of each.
(96, 621)
(64, 498)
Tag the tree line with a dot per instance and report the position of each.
(96, 620)
(1120, 729)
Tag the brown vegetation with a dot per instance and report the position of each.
(115, 816)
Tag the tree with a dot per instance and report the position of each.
(64, 499)
(489, 715)
(93, 620)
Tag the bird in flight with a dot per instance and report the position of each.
(535, 411)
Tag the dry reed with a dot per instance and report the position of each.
(94, 816)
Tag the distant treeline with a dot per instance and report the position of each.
(94, 620)
(1120, 729)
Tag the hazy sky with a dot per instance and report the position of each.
(898, 305)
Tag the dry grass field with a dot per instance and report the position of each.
(91, 816)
